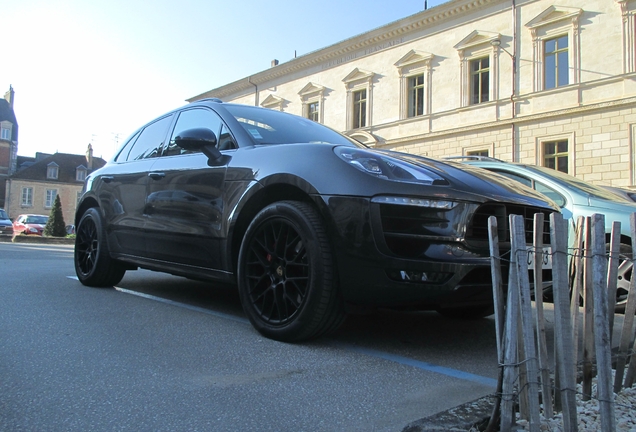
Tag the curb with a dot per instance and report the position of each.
(36, 239)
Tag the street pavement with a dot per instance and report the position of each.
(163, 353)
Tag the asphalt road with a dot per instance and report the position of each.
(163, 353)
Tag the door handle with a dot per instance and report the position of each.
(107, 179)
(156, 175)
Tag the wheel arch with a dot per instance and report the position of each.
(86, 203)
(255, 203)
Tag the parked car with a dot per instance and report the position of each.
(307, 222)
(6, 226)
(629, 194)
(29, 224)
(576, 198)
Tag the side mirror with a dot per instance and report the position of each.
(199, 139)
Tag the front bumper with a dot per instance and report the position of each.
(391, 255)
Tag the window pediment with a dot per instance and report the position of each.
(476, 38)
(358, 75)
(272, 102)
(311, 89)
(554, 14)
(414, 57)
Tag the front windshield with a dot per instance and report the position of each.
(3, 214)
(569, 181)
(274, 127)
(36, 220)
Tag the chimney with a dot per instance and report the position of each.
(89, 157)
(9, 96)
(274, 62)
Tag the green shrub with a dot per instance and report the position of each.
(55, 227)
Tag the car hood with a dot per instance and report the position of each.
(480, 182)
(5, 222)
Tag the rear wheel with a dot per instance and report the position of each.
(93, 264)
(286, 274)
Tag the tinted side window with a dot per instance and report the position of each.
(550, 193)
(189, 119)
(123, 153)
(149, 142)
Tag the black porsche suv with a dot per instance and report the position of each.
(305, 221)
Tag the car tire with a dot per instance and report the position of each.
(468, 312)
(93, 264)
(286, 274)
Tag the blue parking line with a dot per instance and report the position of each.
(429, 367)
(454, 373)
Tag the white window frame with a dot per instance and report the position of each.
(475, 46)
(540, 149)
(80, 173)
(49, 198)
(628, 12)
(52, 171)
(5, 133)
(357, 80)
(553, 22)
(27, 197)
(490, 148)
(414, 63)
(313, 93)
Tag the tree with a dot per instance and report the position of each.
(55, 226)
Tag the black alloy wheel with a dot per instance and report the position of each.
(286, 274)
(93, 264)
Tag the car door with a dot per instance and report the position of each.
(122, 189)
(184, 206)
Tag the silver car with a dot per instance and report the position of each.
(575, 198)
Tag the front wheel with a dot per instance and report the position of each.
(286, 274)
(93, 264)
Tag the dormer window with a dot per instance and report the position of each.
(80, 173)
(52, 170)
(5, 133)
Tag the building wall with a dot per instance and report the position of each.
(67, 192)
(594, 112)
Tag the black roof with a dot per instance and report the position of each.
(7, 114)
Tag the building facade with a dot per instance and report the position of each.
(8, 141)
(534, 81)
(33, 189)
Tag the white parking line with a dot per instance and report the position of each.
(429, 367)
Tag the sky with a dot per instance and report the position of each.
(93, 71)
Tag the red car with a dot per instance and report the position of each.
(29, 224)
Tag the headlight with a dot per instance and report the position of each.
(33, 230)
(387, 167)
(415, 202)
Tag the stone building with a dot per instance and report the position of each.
(538, 81)
(8, 141)
(33, 188)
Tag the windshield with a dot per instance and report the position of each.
(274, 127)
(36, 220)
(569, 181)
(3, 214)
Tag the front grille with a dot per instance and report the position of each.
(477, 231)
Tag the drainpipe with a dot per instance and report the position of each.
(514, 81)
(249, 80)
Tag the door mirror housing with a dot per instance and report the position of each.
(199, 139)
